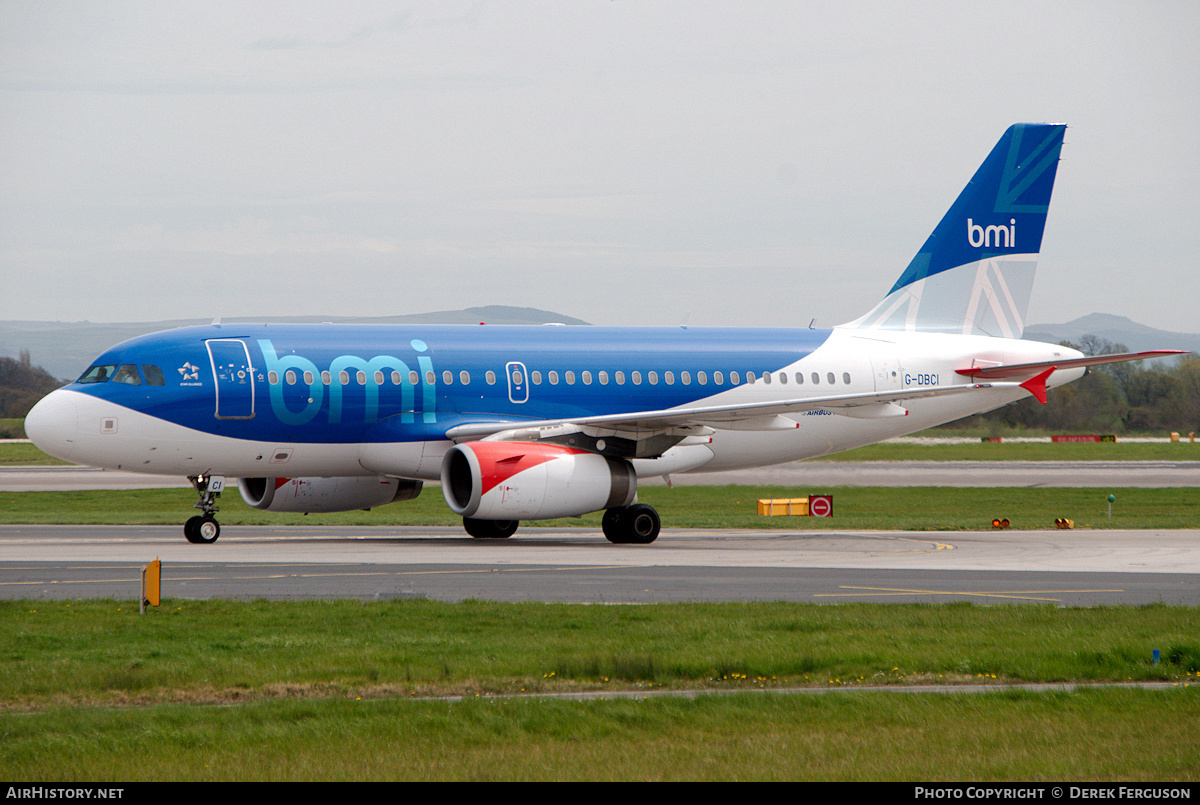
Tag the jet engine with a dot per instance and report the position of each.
(325, 494)
(533, 481)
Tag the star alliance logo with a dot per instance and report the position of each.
(188, 372)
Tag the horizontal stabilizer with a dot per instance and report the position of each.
(1015, 370)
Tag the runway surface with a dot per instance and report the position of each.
(1068, 568)
(1062, 568)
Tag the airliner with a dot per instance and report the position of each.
(539, 422)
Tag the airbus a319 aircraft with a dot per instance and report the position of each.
(537, 422)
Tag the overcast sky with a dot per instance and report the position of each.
(723, 163)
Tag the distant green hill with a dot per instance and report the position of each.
(1117, 329)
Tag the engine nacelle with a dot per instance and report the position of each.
(533, 481)
(325, 494)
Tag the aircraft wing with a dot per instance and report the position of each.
(1008, 371)
(769, 415)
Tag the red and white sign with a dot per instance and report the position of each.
(820, 505)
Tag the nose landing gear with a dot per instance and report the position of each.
(204, 528)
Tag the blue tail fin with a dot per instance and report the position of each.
(975, 272)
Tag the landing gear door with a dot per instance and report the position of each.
(234, 376)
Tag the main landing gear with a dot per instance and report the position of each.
(490, 529)
(624, 525)
(631, 525)
(204, 528)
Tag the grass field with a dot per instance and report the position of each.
(342, 690)
(871, 508)
(1024, 451)
(1109, 735)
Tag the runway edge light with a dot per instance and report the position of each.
(151, 577)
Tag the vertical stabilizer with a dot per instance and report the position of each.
(975, 273)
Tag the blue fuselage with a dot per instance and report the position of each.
(355, 384)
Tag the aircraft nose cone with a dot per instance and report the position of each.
(52, 423)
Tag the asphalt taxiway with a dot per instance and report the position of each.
(1062, 568)
(1075, 568)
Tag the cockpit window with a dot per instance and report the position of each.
(128, 373)
(154, 375)
(97, 374)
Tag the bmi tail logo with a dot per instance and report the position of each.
(978, 236)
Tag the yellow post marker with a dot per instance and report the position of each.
(151, 584)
